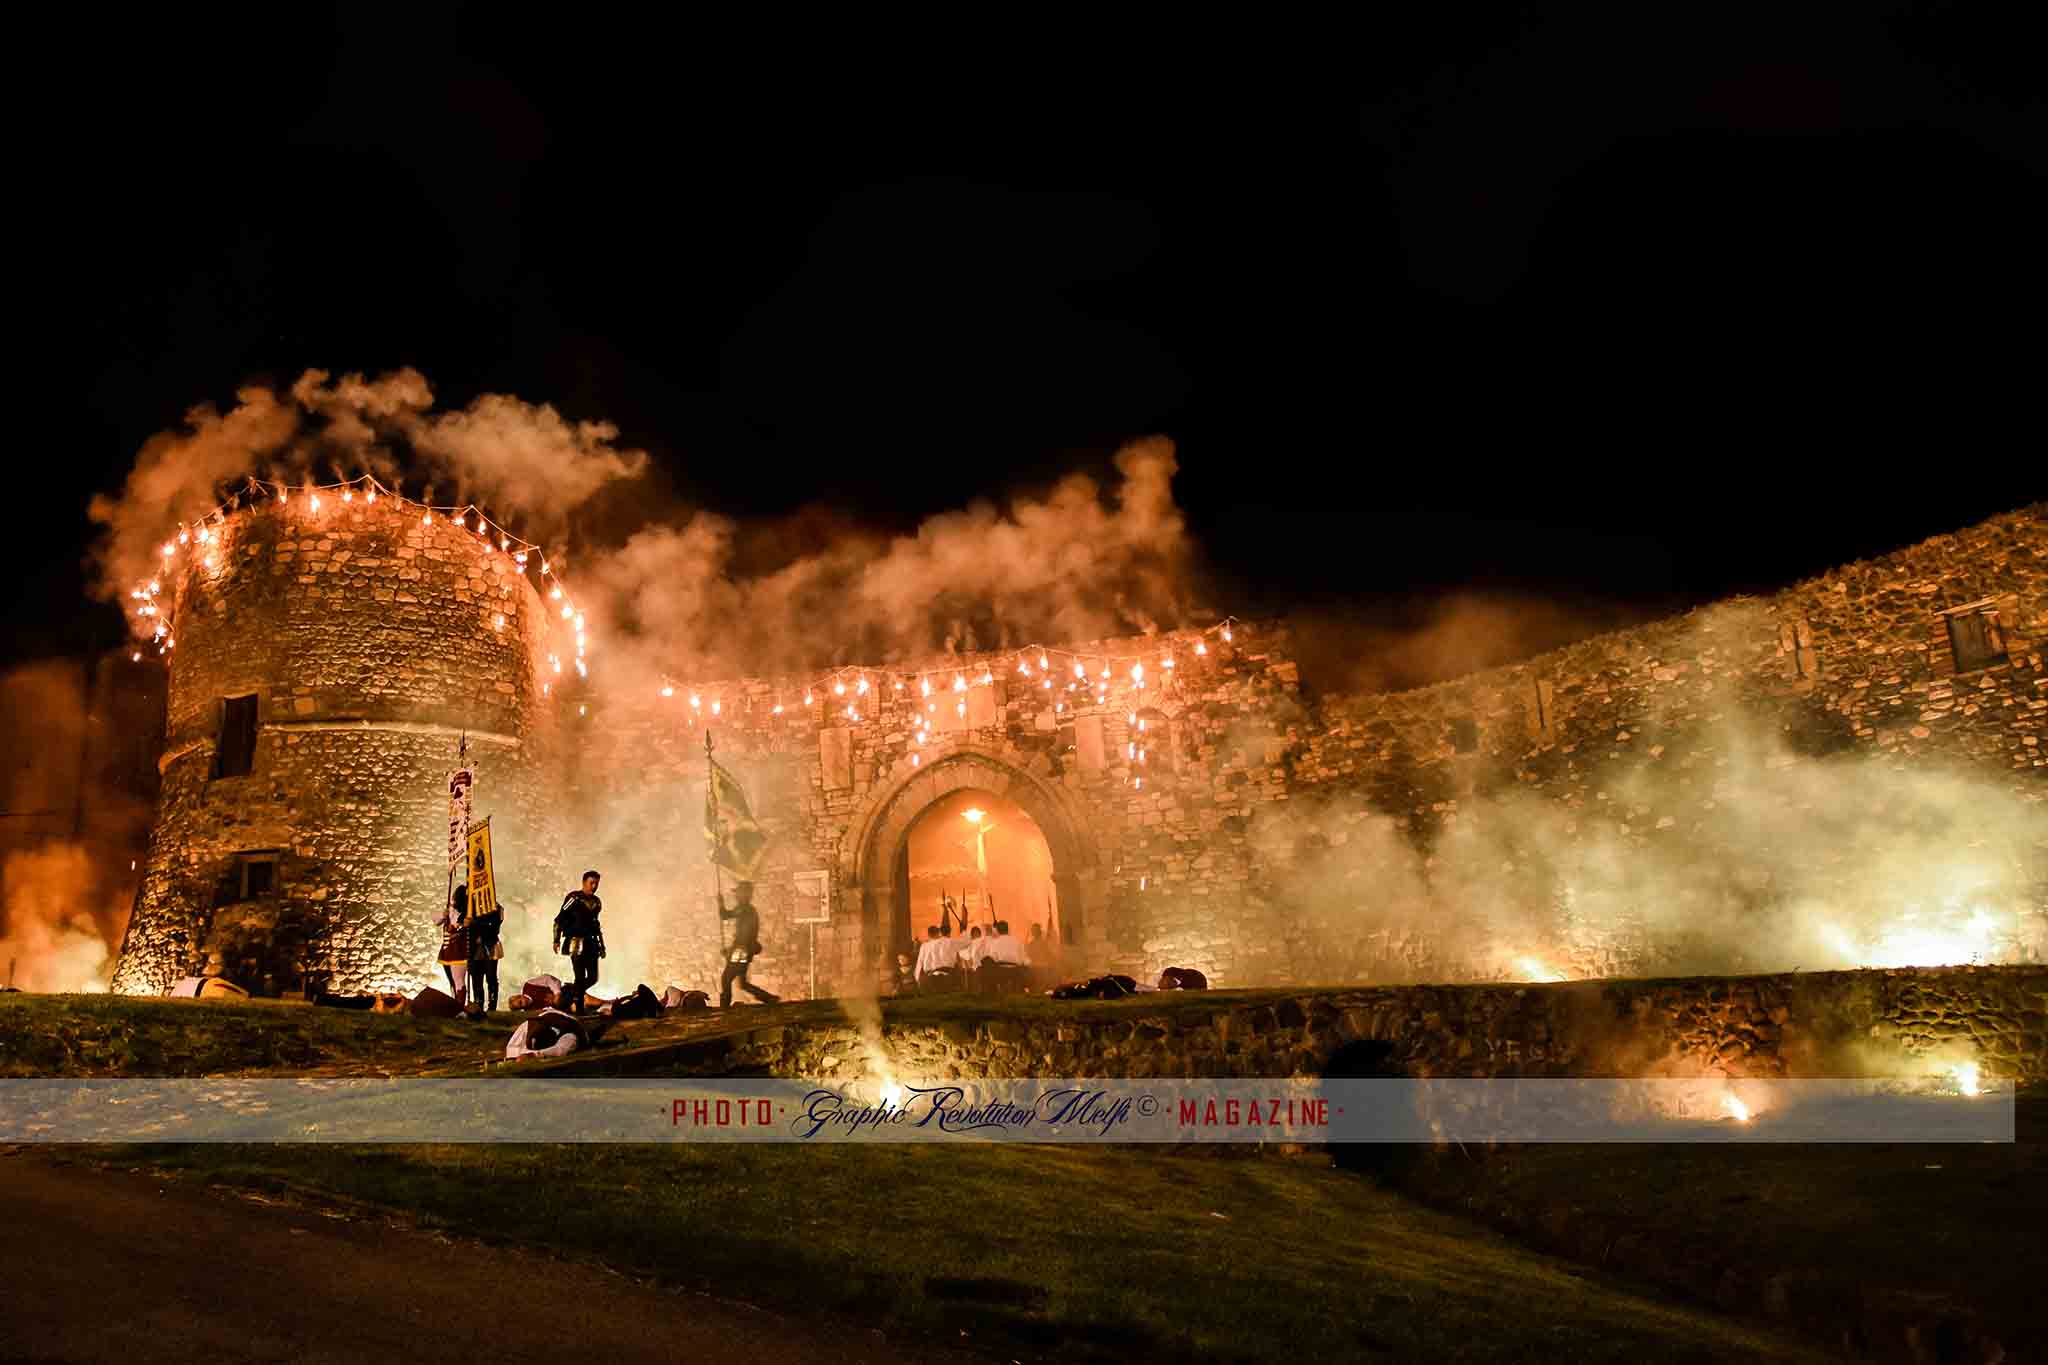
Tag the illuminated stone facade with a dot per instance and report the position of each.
(1225, 816)
(1257, 838)
(371, 644)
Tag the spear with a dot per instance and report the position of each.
(717, 878)
(461, 752)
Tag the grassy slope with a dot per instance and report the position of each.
(1671, 1217)
(112, 1035)
(1864, 1237)
(1093, 1249)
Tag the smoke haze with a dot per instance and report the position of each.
(1725, 851)
(524, 463)
(66, 875)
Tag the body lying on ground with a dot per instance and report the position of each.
(552, 1033)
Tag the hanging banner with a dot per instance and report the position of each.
(483, 881)
(460, 783)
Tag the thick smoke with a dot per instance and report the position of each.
(703, 600)
(1712, 847)
(67, 867)
(525, 464)
(1708, 848)
(61, 925)
(689, 593)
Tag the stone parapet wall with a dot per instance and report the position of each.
(1906, 1022)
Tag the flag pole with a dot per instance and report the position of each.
(448, 900)
(717, 878)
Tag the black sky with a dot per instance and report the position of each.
(1640, 310)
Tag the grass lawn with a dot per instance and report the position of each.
(1108, 1245)
(116, 1035)
(1086, 1252)
(1866, 1239)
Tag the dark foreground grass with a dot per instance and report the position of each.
(115, 1035)
(1861, 1245)
(1030, 1251)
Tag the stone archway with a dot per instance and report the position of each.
(874, 859)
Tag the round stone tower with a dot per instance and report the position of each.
(326, 663)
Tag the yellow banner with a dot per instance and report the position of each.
(483, 881)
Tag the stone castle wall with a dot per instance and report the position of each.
(1899, 1023)
(1246, 824)
(372, 643)
(1204, 806)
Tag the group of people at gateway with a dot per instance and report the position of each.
(997, 961)
(472, 945)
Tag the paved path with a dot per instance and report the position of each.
(112, 1265)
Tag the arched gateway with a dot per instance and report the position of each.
(874, 859)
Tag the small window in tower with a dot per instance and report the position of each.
(235, 753)
(1465, 735)
(258, 873)
(1976, 640)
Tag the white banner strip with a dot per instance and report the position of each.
(510, 1108)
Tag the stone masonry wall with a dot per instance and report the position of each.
(1204, 807)
(1224, 817)
(372, 643)
(1903, 1022)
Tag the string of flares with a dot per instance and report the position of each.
(205, 530)
(853, 692)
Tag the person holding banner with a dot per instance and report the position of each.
(579, 936)
(485, 948)
(455, 940)
(486, 920)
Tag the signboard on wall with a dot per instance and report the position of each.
(813, 898)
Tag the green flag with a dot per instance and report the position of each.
(736, 841)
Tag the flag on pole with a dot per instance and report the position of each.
(483, 879)
(461, 783)
(736, 841)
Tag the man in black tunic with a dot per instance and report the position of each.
(578, 934)
(746, 943)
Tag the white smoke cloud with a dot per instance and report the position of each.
(523, 462)
(1079, 562)
(54, 932)
(1726, 852)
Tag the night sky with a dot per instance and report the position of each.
(1631, 311)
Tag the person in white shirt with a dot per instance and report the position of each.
(970, 951)
(1002, 962)
(937, 954)
(551, 1033)
(1005, 947)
